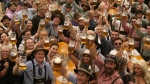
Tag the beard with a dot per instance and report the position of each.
(109, 71)
(81, 27)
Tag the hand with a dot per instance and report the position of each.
(131, 82)
(17, 60)
(146, 47)
(124, 45)
(6, 65)
(78, 37)
(90, 32)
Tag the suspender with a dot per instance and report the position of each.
(34, 75)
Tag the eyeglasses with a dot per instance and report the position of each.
(118, 43)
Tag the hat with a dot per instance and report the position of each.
(24, 3)
(86, 52)
(87, 5)
(57, 13)
(112, 58)
(10, 4)
(5, 17)
(69, 5)
(85, 68)
(37, 48)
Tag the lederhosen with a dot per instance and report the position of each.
(38, 81)
(122, 32)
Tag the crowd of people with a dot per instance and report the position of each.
(98, 34)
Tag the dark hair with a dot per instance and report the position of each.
(133, 18)
(28, 20)
(116, 31)
(118, 39)
(54, 44)
(139, 11)
(75, 15)
(133, 9)
(23, 33)
(1, 35)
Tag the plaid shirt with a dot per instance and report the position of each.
(102, 79)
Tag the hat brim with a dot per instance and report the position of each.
(46, 51)
(61, 19)
(88, 7)
(5, 19)
(109, 60)
(83, 70)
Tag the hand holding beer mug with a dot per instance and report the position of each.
(48, 16)
(90, 41)
(13, 38)
(118, 14)
(13, 54)
(86, 22)
(148, 13)
(138, 24)
(22, 65)
(147, 41)
(131, 43)
(37, 2)
(25, 14)
(60, 30)
(16, 19)
(71, 46)
(83, 36)
(119, 2)
(57, 63)
(105, 32)
(42, 24)
(66, 23)
(46, 43)
(125, 15)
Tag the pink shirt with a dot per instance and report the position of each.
(102, 79)
(129, 29)
(10, 14)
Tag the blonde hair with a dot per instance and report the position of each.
(145, 71)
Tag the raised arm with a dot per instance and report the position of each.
(38, 32)
(140, 33)
(10, 26)
(77, 7)
(125, 26)
(64, 72)
(73, 59)
(16, 67)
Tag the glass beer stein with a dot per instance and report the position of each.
(57, 63)
(16, 19)
(48, 16)
(105, 32)
(71, 46)
(25, 14)
(13, 38)
(124, 15)
(93, 3)
(46, 43)
(42, 24)
(37, 2)
(138, 24)
(148, 13)
(86, 22)
(118, 15)
(119, 2)
(90, 41)
(83, 36)
(60, 30)
(13, 54)
(131, 43)
(22, 65)
(147, 40)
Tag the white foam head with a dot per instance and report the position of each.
(57, 60)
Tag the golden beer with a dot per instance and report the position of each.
(118, 2)
(137, 26)
(93, 4)
(17, 21)
(124, 16)
(118, 16)
(42, 26)
(48, 19)
(147, 41)
(66, 26)
(13, 56)
(83, 39)
(25, 16)
(86, 24)
(60, 31)
(57, 64)
(13, 41)
(37, 4)
(90, 41)
(71, 48)
(131, 45)
(105, 32)
(22, 66)
(46, 44)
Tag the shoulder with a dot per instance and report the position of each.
(143, 29)
(113, 52)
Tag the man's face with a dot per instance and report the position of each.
(81, 24)
(117, 44)
(133, 21)
(110, 67)
(82, 78)
(139, 15)
(148, 29)
(140, 1)
(56, 21)
(43, 10)
(114, 35)
(25, 7)
(6, 22)
(12, 8)
(39, 55)
(99, 30)
(84, 8)
(5, 53)
(68, 9)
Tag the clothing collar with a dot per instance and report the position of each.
(36, 64)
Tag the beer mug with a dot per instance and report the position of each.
(13, 54)
(118, 14)
(148, 13)
(48, 16)
(131, 43)
(86, 22)
(46, 43)
(25, 13)
(90, 41)
(147, 40)
(93, 3)
(57, 61)
(83, 37)
(119, 2)
(60, 30)
(124, 15)
(66, 23)
(37, 2)
(71, 46)
(16, 19)
(126, 6)
(138, 24)
(105, 32)
(52, 39)
(22, 65)
(13, 38)
(42, 24)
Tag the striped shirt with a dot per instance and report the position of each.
(102, 77)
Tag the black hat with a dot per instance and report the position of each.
(37, 48)
(85, 68)
(57, 13)
(69, 5)
(10, 4)
(5, 17)
(112, 58)
(87, 5)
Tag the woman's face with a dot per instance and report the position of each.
(3, 37)
(137, 70)
(86, 58)
(101, 7)
(29, 25)
(53, 50)
(43, 35)
(56, 21)
(29, 44)
(1, 30)
(34, 5)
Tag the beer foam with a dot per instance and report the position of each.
(90, 37)
(13, 38)
(131, 43)
(147, 39)
(22, 64)
(46, 41)
(13, 54)
(83, 37)
(57, 60)
(60, 30)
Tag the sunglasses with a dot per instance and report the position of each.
(118, 43)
